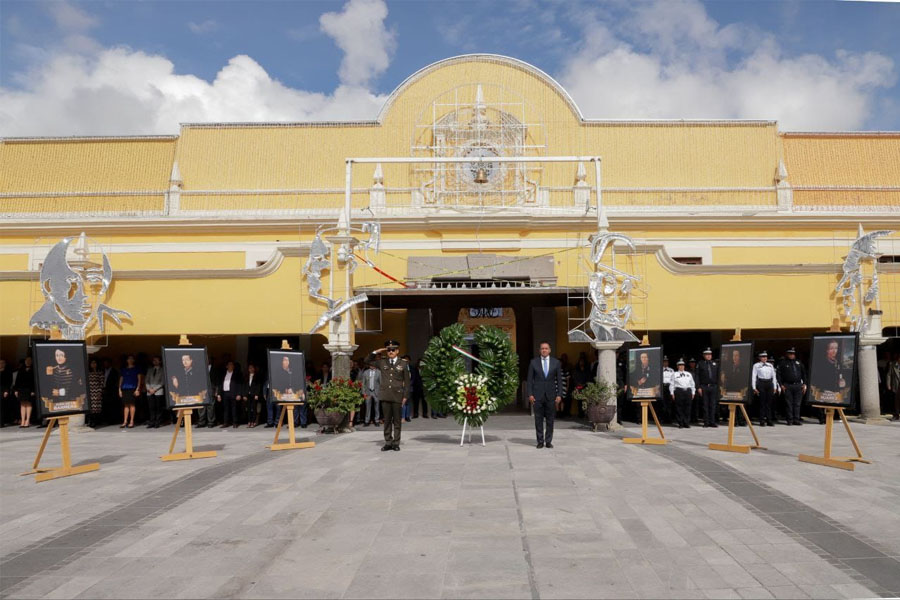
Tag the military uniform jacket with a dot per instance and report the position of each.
(394, 378)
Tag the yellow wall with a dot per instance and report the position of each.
(225, 167)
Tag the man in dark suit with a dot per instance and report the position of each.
(545, 385)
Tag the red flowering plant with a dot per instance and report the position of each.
(338, 395)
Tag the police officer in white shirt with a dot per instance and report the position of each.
(765, 386)
(682, 389)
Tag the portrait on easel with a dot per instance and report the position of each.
(645, 372)
(735, 366)
(833, 368)
(187, 377)
(61, 373)
(287, 376)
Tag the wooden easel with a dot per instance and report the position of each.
(184, 416)
(645, 404)
(731, 446)
(46, 474)
(839, 462)
(287, 408)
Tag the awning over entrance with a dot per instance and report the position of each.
(478, 295)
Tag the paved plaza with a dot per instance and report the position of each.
(592, 517)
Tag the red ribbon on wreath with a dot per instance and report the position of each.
(471, 397)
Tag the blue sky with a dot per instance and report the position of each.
(106, 67)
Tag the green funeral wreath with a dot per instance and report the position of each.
(443, 369)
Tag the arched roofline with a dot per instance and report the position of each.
(490, 58)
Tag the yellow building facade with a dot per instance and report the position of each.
(737, 225)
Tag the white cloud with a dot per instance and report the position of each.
(359, 31)
(69, 17)
(670, 60)
(80, 88)
(206, 26)
(123, 92)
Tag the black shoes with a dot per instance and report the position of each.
(386, 447)
(269, 425)
(540, 445)
(396, 448)
(549, 445)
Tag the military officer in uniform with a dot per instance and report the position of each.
(394, 390)
(765, 385)
(707, 388)
(792, 375)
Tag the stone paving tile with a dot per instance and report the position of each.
(592, 518)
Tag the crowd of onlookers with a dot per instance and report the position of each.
(132, 392)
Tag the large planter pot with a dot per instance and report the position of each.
(601, 414)
(328, 418)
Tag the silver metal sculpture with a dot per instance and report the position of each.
(74, 291)
(850, 287)
(320, 260)
(608, 320)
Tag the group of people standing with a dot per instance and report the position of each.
(692, 393)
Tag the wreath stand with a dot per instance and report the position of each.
(463, 436)
(184, 415)
(288, 409)
(46, 474)
(731, 446)
(839, 462)
(647, 404)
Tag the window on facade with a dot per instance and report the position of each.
(889, 258)
(689, 260)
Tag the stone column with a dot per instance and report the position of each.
(869, 396)
(606, 369)
(340, 359)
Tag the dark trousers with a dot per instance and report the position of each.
(896, 414)
(544, 410)
(155, 408)
(254, 409)
(766, 389)
(683, 406)
(229, 407)
(666, 407)
(206, 415)
(301, 417)
(793, 398)
(418, 401)
(710, 403)
(391, 412)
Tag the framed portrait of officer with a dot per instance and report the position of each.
(187, 377)
(287, 376)
(645, 372)
(735, 367)
(833, 368)
(60, 368)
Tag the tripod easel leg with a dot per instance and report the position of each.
(287, 412)
(184, 415)
(838, 462)
(730, 446)
(66, 469)
(647, 407)
(37, 459)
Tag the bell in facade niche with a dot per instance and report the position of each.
(481, 175)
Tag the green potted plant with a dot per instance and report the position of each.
(332, 401)
(598, 398)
